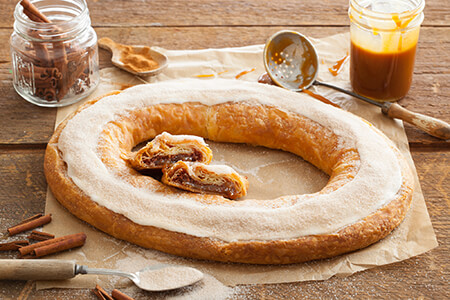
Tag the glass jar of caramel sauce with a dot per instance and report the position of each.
(384, 36)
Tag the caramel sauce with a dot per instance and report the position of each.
(385, 75)
(125, 86)
(204, 75)
(265, 78)
(402, 24)
(381, 76)
(210, 75)
(338, 66)
(243, 73)
(320, 98)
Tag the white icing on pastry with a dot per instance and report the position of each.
(376, 183)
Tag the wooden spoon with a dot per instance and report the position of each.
(119, 52)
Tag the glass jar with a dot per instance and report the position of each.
(54, 64)
(384, 35)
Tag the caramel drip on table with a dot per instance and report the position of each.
(338, 66)
(210, 75)
(243, 73)
(320, 97)
(204, 75)
(125, 86)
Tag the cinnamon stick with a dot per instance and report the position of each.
(72, 77)
(118, 295)
(50, 82)
(61, 63)
(40, 49)
(40, 236)
(30, 223)
(101, 293)
(43, 73)
(66, 244)
(33, 13)
(48, 94)
(29, 249)
(15, 245)
(36, 216)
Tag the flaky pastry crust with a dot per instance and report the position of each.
(166, 149)
(201, 178)
(227, 122)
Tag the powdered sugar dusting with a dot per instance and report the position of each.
(376, 183)
(168, 278)
(180, 137)
(208, 288)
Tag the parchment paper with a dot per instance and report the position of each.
(271, 173)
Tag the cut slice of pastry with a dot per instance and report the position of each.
(213, 179)
(166, 149)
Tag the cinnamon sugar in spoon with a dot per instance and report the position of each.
(160, 277)
(291, 61)
(138, 60)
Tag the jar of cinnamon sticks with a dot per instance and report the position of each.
(54, 52)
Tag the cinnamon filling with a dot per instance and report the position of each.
(164, 159)
(226, 188)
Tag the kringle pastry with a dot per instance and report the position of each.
(367, 196)
(212, 179)
(166, 149)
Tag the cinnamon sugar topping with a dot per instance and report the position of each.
(377, 181)
(138, 59)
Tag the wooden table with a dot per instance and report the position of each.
(196, 24)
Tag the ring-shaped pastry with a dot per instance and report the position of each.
(367, 196)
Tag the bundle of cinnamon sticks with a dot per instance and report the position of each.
(115, 294)
(47, 244)
(56, 66)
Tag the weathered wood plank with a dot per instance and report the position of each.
(202, 24)
(431, 58)
(22, 122)
(22, 194)
(22, 185)
(226, 13)
(23, 189)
